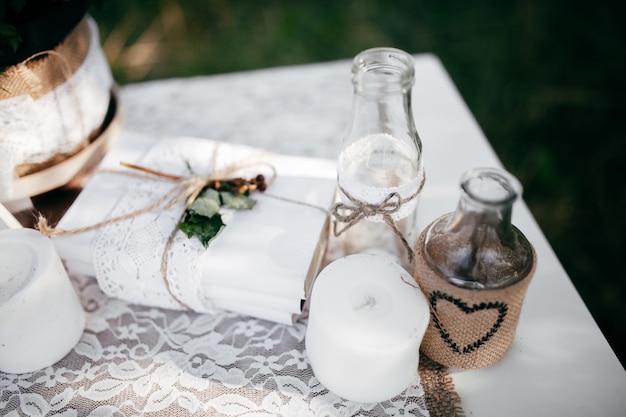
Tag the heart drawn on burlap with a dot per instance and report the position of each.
(502, 309)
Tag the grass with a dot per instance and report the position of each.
(544, 79)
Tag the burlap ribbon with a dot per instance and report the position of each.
(442, 400)
(44, 71)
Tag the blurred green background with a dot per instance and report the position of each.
(544, 79)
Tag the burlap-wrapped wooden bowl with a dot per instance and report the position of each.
(58, 109)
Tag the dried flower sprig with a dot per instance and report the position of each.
(202, 218)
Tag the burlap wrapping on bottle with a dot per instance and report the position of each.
(469, 329)
(42, 74)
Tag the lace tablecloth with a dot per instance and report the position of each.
(135, 360)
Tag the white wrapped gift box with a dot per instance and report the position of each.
(259, 265)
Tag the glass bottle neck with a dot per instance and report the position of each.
(471, 213)
(382, 79)
(487, 198)
(383, 71)
(389, 114)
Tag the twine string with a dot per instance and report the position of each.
(431, 308)
(185, 190)
(351, 214)
(66, 69)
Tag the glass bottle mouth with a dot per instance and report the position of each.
(491, 186)
(383, 70)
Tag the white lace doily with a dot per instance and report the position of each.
(35, 130)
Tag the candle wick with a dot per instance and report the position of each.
(370, 302)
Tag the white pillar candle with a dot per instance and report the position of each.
(41, 318)
(367, 319)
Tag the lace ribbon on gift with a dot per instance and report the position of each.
(185, 190)
(351, 214)
(183, 193)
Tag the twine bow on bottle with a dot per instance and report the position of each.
(357, 210)
(352, 214)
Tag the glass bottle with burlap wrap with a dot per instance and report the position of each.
(475, 266)
(380, 173)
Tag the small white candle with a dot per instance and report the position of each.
(41, 318)
(366, 322)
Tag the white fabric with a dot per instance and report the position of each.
(33, 130)
(256, 266)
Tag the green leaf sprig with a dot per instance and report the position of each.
(203, 219)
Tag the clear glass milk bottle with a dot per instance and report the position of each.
(380, 173)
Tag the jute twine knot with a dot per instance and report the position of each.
(361, 210)
(357, 210)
